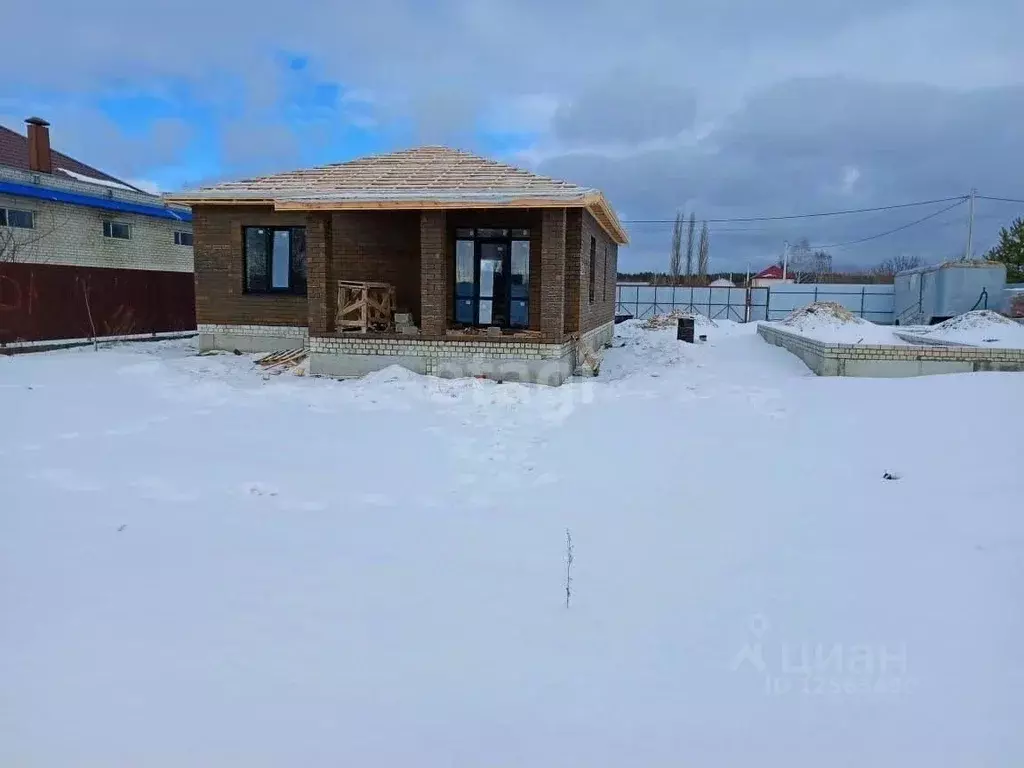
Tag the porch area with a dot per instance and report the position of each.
(480, 292)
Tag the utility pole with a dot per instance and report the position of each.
(970, 226)
(785, 258)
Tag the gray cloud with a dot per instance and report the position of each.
(732, 108)
(824, 144)
(626, 107)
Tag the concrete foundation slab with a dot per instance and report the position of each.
(344, 366)
(890, 360)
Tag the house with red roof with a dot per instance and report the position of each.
(770, 275)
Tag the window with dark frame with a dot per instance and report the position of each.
(274, 260)
(117, 230)
(183, 238)
(492, 277)
(12, 217)
(593, 266)
(604, 293)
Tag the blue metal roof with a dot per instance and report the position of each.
(106, 203)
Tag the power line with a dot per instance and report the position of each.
(897, 229)
(1001, 199)
(959, 199)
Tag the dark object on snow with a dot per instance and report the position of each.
(236, 352)
(122, 527)
(703, 337)
(890, 476)
(684, 331)
(622, 318)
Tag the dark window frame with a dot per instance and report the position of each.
(179, 238)
(604, 292)
(473, 235)
(108, 229)
(292, 289)
(5, 218)
(593, 268)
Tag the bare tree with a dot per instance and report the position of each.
(17, 243)
(676, 256)
(690, 231)
(805, 264)
(702, 250)
(891, 266)
(821, 265)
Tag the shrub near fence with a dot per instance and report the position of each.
(872, 302)
(48, 302)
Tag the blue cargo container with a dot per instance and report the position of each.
(929, 295)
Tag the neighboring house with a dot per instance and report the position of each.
(770, 276)
(83, 253)
(722, 283)
(506, 274)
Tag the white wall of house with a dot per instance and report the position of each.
(74, 235)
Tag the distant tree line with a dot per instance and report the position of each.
(874, 276)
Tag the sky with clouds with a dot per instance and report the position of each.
(732, 108)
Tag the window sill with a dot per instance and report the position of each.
(277, 294)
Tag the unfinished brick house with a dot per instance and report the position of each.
(468, 267)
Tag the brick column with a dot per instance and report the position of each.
(319, 291)
(552, 274)
(433, 275)
(573, 267)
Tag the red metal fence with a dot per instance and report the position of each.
(42, 302)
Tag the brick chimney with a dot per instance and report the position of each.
(39, 159)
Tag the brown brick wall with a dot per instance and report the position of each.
(602, 310)
(379, 246)
(218, 258)
(573, 265)
(318, 273)
(433, 275)
(552, 274)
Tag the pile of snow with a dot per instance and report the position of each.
(982, 327)
(672, 318)
(831, 322)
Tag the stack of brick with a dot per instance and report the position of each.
(405, 324)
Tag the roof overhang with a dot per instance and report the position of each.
(400, 200)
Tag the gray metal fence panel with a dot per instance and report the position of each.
(872, 302)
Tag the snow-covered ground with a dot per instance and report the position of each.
(201, 566)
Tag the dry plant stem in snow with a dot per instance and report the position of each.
(568, 567)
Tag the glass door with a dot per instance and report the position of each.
(492, 277)
(492, 299)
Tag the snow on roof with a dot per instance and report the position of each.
(94, 180)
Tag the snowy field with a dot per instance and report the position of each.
(203, 566)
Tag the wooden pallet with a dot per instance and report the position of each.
(276, 362)
(364, 307)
